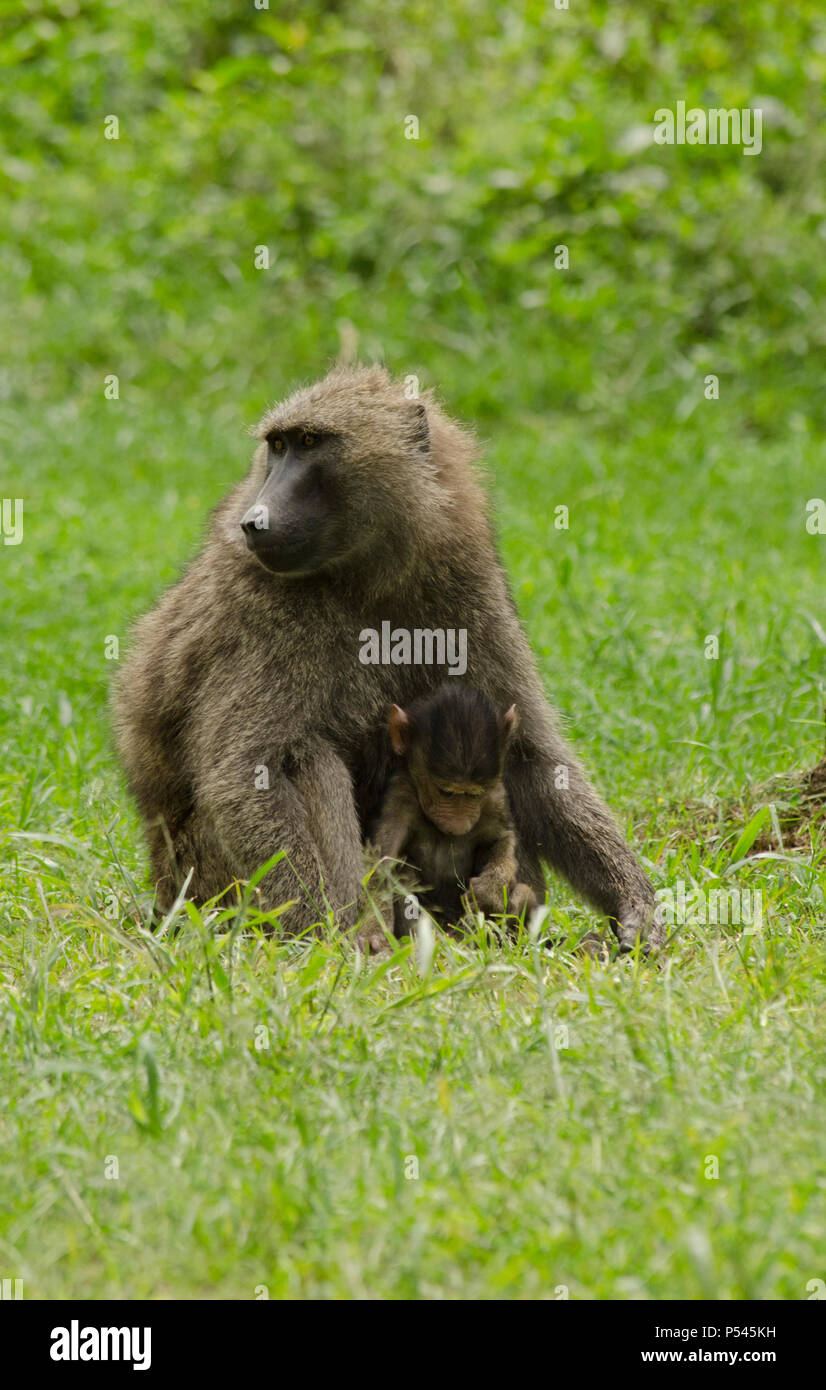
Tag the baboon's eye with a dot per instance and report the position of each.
(277, 444)
(308, 441)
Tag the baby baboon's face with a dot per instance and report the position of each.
(452, 806)
(454, 744)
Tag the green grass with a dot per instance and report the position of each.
(540, 1165)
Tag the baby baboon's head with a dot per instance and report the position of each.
(454, 743)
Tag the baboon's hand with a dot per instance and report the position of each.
(486, 895)
(489, 896)
(595, 945)
(639, 921)
(372, 940)
(521, 898)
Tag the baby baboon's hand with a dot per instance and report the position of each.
(486, 895)
(372, 940)
(521, 898)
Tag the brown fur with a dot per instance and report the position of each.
(237, 667)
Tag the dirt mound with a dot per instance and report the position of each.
(789, 809)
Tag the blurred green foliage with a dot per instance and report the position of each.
(285, 127)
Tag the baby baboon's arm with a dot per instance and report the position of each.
(497, 874)
(497, 864)
(398, 815)
(389, 838)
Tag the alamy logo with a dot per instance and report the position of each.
(11, 520)
(713, 127)
(742, 907)
(76, 1343)
(423, 646)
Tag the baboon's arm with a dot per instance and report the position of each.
(561, 819)
(558, 817)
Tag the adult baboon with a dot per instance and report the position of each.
(246, 718)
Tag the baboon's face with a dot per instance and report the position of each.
(455, 753)
(298, 523)
(452, 805)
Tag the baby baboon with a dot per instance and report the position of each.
(446, 813)
(246, 718)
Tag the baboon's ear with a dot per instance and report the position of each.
(510, 723)
(420, 428)
(400, 729)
